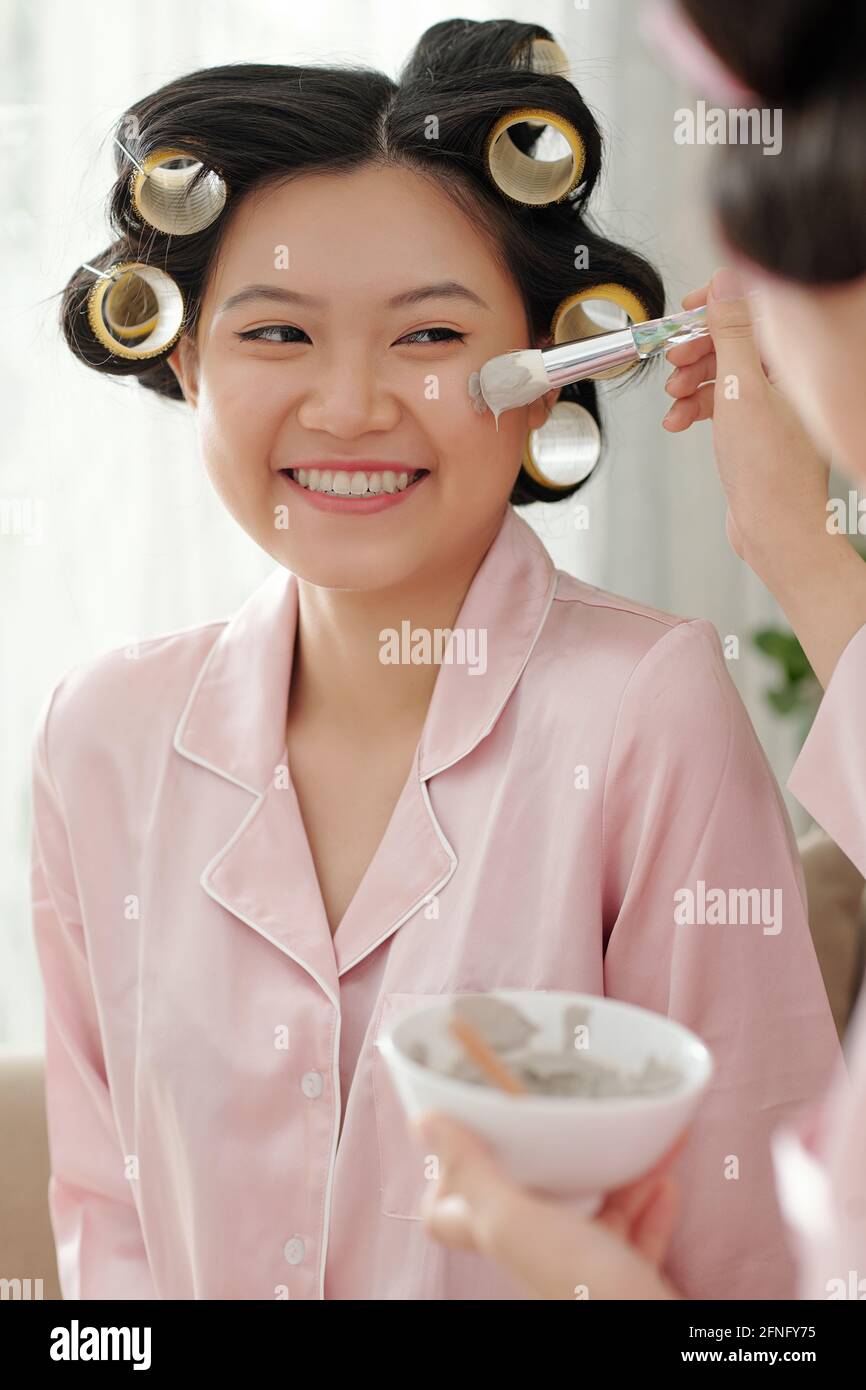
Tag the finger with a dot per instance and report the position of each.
(682, 354)
(626, 1203)
(448, 1219)
(695, 298)
(684, 380)
(450, 1141)
(654, 1226)
(621, 1207)
(670, 1156)
(542, 1245)
(698, 406)
(468, 1171)
(733, 332)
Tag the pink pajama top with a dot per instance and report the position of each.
(821, 1161)
(588, 809)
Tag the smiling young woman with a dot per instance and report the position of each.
(314, 838)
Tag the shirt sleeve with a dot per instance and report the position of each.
(829, 777)
(98, 1238)
(705, 921)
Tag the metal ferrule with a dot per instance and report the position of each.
(568, 362)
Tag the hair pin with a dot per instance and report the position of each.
(131, 157)
(135, 310)
(85, 265)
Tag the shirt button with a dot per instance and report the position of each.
(311, 1084)
(294, 1250)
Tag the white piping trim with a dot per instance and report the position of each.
(335, 1058)
(194, 757)
(484, 732)
(415, 906)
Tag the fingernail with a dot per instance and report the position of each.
(454, 1207)
(726, 284)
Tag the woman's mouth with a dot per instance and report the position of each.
(354, 491)
(340, 482)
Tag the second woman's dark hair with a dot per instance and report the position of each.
(800, 213)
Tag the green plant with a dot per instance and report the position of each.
(798, 691)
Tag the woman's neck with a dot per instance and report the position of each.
(338, 672)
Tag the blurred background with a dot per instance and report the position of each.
(110, 531)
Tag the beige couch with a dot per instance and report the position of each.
(26, 1241)
(837, 916)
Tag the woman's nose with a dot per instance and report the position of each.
(348, 396)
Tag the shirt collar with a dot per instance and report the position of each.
(235, 717)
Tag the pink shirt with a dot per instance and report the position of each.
(206, 1036)
(821, 1162)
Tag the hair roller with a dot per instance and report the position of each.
(617, 306)
(546, 56)
(533, 181)
(173, 191)
(563, 452)
(135, 310)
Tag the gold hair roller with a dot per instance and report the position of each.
(162, 193)
(524, 179)
(565, 449)
(613, 307)
(546, 56)
(135, 310)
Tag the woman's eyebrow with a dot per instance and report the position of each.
(444, 289)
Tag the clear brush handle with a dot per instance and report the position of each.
(659, 334)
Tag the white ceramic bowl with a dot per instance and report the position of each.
(568, 1147)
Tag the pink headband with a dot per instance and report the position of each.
(664, 24)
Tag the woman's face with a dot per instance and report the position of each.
(278, 382)
(813, 340)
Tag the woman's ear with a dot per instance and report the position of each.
(184, 363)
(539, 410)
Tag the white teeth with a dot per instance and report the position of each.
(358, 484)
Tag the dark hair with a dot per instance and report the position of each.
(261, 123)
(800, 213)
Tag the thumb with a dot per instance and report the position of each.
(729, 320)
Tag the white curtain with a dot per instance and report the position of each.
(110, 528)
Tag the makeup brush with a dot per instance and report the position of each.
(520, 377)
(493, 1067)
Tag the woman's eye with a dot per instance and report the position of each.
(454, 336)
(258, 335)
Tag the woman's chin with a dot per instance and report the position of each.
(355, 565)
